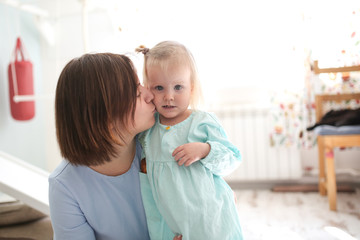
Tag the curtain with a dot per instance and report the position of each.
(333, 38)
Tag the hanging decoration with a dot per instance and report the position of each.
(20, 72)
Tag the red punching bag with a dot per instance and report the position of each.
(21, 83)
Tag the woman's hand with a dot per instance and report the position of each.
(178, 237)
(191, 152)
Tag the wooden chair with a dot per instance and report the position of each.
(326, 144)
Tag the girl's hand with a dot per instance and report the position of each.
(191, 152)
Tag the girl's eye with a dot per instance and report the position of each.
(178, 87)
(159, 88)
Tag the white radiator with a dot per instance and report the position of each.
(249, 129)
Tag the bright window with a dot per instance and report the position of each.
(238, 44)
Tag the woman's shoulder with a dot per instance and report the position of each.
(68, 173)
(60, 169)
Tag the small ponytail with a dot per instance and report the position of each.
(142, 49)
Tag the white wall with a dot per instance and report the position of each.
(23, 139)
(35, 140)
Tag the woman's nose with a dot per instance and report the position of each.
(148, 95)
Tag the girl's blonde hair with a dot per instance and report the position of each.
(169, 52)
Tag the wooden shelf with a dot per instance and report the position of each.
(318, 70)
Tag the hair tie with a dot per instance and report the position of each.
(144, 50)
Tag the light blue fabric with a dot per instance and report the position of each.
(160, 230)
(332, 130)
(86, 205)
(194, 201)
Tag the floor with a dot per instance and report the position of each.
(267, 215)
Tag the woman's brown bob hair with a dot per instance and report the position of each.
(95, 96)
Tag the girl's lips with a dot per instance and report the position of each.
(168, 106)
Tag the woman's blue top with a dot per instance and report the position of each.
(86, 205)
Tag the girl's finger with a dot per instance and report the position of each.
(177, 150)
(188, 163)
(178, 156)
(182, 160)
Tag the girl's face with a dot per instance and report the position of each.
(172, 91)
(145, 109)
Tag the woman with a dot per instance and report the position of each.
(100, 107)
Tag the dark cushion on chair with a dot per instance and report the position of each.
(344, 117)
(332, 130)
(11, 238)
(17, 212)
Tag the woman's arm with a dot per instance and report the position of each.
(67, 219)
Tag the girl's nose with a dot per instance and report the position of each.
(169, 96)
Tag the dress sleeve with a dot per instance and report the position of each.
(223, 157)
(68, 221)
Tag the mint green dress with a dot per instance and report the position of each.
(193, 201)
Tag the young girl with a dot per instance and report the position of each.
(186, 152)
